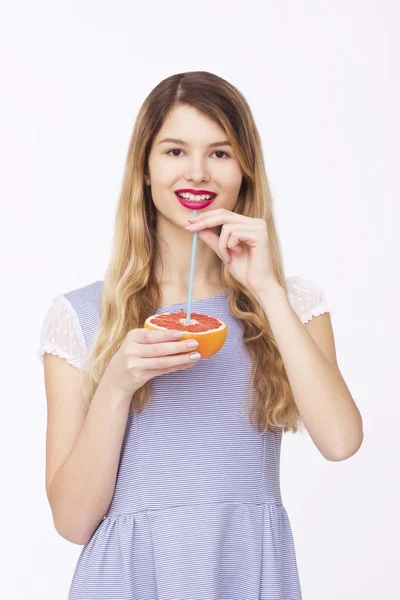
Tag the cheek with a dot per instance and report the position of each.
(164, 173)
(230, 168)
(231, 180)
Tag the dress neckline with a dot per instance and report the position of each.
(225, 293)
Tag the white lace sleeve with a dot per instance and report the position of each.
(307, 298)
(61, 333)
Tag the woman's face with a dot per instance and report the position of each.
(193, 165)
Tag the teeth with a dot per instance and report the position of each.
(195, 197)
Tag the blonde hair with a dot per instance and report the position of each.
(130, 290)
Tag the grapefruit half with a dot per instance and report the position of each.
(209, 331)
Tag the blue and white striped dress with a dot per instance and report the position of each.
(197, 512)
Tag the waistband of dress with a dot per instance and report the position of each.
(119, 511)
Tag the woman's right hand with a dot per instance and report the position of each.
(147, 353)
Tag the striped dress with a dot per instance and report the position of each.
(197, 512)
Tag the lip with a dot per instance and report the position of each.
(195, 205)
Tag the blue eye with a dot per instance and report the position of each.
(179, 150)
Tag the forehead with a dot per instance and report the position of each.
(189, 124)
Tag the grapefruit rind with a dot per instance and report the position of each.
(210, 341)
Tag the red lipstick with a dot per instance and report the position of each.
(195, 205)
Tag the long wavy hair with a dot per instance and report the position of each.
(131, 291)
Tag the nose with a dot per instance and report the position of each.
(197, 171)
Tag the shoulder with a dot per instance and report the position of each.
(84, 307)
(70, 322)
(307, 297)
(84, 298)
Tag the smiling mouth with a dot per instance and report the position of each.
(196, 197)
(189, 203)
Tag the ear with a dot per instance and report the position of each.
(146, 174)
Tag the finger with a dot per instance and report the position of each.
(166, 362)
(250, 237)
(142, 335)
(158, 372)
(229, 241)
(163, 348)
(178, 368)
(221, 217)
(223, 244)
(233, 241)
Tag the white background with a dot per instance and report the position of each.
(322, 79)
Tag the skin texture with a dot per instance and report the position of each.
(194, 166)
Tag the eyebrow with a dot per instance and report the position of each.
(182, 143)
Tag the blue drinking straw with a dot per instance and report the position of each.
(191, 275)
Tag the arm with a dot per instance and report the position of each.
(82, 488)
(323, 399)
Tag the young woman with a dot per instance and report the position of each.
(166, 468)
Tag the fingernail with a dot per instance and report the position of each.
(192, 344)
(195, 356)
(177, 334)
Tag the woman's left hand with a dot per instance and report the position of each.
(242, 245)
